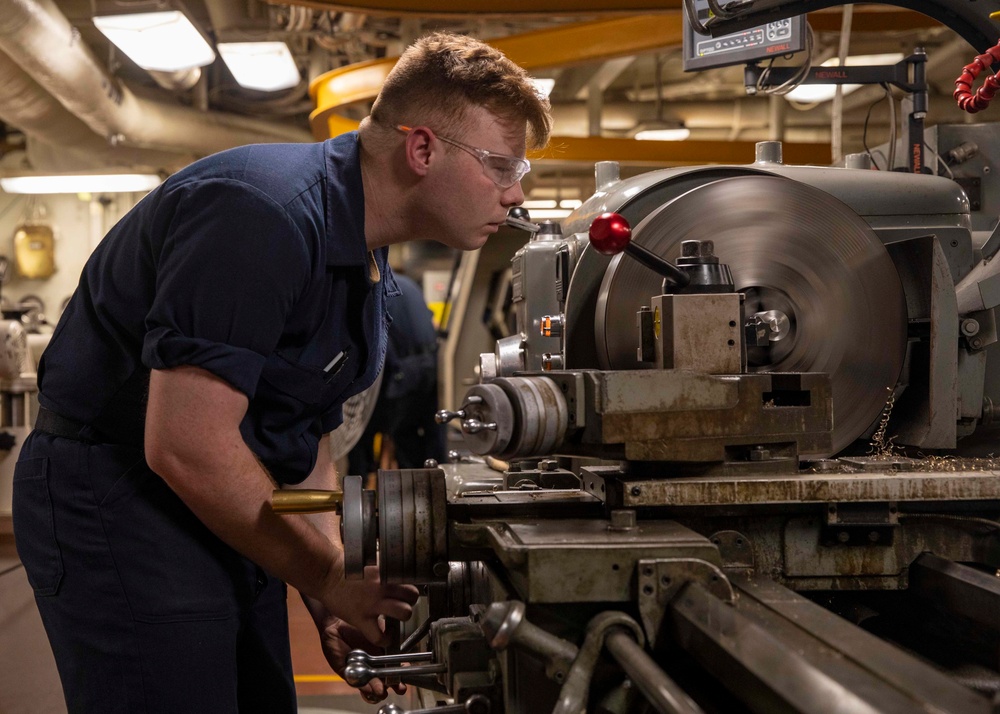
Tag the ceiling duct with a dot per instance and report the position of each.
(57, 140)
(233, 21)
(41, 40)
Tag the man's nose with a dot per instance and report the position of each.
(512, 196)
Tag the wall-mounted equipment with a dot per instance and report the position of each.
(769, 40)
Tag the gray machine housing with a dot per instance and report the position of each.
(638, 537)
(925, 223)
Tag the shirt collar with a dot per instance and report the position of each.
(346, 210)
(345, 218)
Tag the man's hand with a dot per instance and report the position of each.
(338, 639)
(362, 597)
(361, 602)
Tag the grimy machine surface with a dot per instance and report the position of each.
(736, 456)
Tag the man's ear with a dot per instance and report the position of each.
(419, 153)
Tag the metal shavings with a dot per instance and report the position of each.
(958, 463)
(882, 446)
(883, 449)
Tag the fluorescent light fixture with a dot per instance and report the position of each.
(665, 134)
(542, 208)
(811, 93)
(543, 85)
(549, 214)
(264, 66)
(80, 183)
(163, 41)
(540, 204)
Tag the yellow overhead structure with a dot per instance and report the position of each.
(337, 91)
(879, 17)
(555, 47)
(501, 8)
(672, 153)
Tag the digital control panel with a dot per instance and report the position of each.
(774, 39)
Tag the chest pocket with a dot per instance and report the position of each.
(344, 341)
(315, 387)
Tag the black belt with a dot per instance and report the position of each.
(52, 423)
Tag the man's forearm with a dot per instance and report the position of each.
(235, 504)
(222, 482)
(323, 478)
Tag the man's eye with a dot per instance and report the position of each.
(499, 164)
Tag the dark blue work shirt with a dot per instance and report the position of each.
(250, 264)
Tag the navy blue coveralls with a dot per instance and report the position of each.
(250, 264)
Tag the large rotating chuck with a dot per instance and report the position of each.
(403, 521)
(825, 291)
(513, 417)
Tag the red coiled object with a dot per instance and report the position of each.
(968, 101)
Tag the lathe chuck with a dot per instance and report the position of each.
(792, 249)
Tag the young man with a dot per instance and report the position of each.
(214, 336)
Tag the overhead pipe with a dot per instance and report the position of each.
(179, 81)
(45, 157)
(47, 47)
(25, 105)
(231, 21)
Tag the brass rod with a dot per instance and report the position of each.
(306, 501)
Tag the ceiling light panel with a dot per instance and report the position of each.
(161, 41)
(264, 66)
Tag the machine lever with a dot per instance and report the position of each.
(474, 426)
(362, 657)
(358, 674)
(517, 217)
(444, 416)
(611, 234)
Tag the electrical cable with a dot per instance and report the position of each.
(941, 161)
(864, 130)
(892, 126)
(720, 12)
(891, 159)
(692, 14)
(796, 79)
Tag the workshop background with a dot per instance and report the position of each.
(75, 105)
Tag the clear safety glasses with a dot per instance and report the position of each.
(504, 170)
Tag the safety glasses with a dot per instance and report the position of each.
(504, 170)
